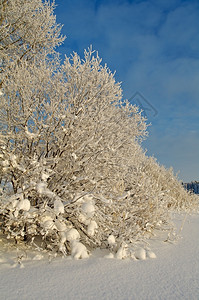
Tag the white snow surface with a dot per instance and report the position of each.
(174, 274)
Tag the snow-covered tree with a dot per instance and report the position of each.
(72, 168)
(27, 29)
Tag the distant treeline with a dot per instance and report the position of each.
(192, 187)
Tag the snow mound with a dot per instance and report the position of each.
(72, 235)
(122, 252)
(111, 240)
(88, 209)
(110, 256)
(92, 228)
(78, 250)
(140, 254)
(150, 254)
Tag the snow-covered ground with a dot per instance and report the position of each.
(174, 274)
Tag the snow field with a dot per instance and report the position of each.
(174, 274)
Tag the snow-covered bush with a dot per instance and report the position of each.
(27, 29)
(73, 174)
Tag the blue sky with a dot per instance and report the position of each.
(153, 46)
